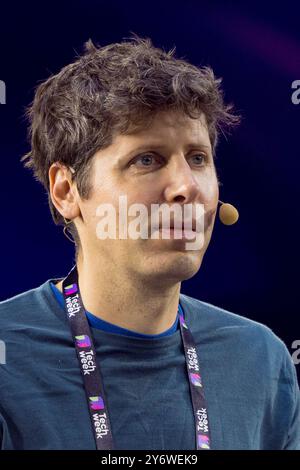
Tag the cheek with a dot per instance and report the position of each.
(90, 207)
(209, 190)
(209, 197)
(213, 193)
(88, 212)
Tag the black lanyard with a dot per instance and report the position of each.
(91, 372)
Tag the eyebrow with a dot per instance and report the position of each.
(149, 146)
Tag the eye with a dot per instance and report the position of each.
(146, 160)
(199, 159)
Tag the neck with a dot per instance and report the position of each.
(127, 301)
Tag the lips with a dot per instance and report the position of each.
(208, 218)
(181, 225)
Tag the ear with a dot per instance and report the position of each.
(63, 191)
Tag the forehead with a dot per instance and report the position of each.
(169, 127)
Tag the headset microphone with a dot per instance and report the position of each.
(228, 214)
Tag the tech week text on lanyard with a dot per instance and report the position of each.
(91, 373)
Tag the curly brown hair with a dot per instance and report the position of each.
(113, 90)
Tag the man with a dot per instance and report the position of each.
(155, 369)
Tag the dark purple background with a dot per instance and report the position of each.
(250, 268)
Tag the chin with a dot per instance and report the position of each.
(176, 266)
(185, 267)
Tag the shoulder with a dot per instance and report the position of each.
(23, 306)
(232, 329)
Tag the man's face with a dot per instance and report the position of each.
(168, 162)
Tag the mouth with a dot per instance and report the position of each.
(186, 230)
(195, 225)
(180, 233)
(181, 226)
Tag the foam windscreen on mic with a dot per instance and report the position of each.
(228, 214)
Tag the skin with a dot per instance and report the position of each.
(135, 284)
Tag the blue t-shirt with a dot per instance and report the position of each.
(101, 324)
(248, 376)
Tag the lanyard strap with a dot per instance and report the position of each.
(91, 372)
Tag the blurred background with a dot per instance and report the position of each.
(250, 268)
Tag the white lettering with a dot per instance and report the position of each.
(87, 362)
(2, 92)
(202, 425)
(100, 424)
(295, 355)
(192, 359)
(2, 353)
(296, 95)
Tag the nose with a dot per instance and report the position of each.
(182, 186)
